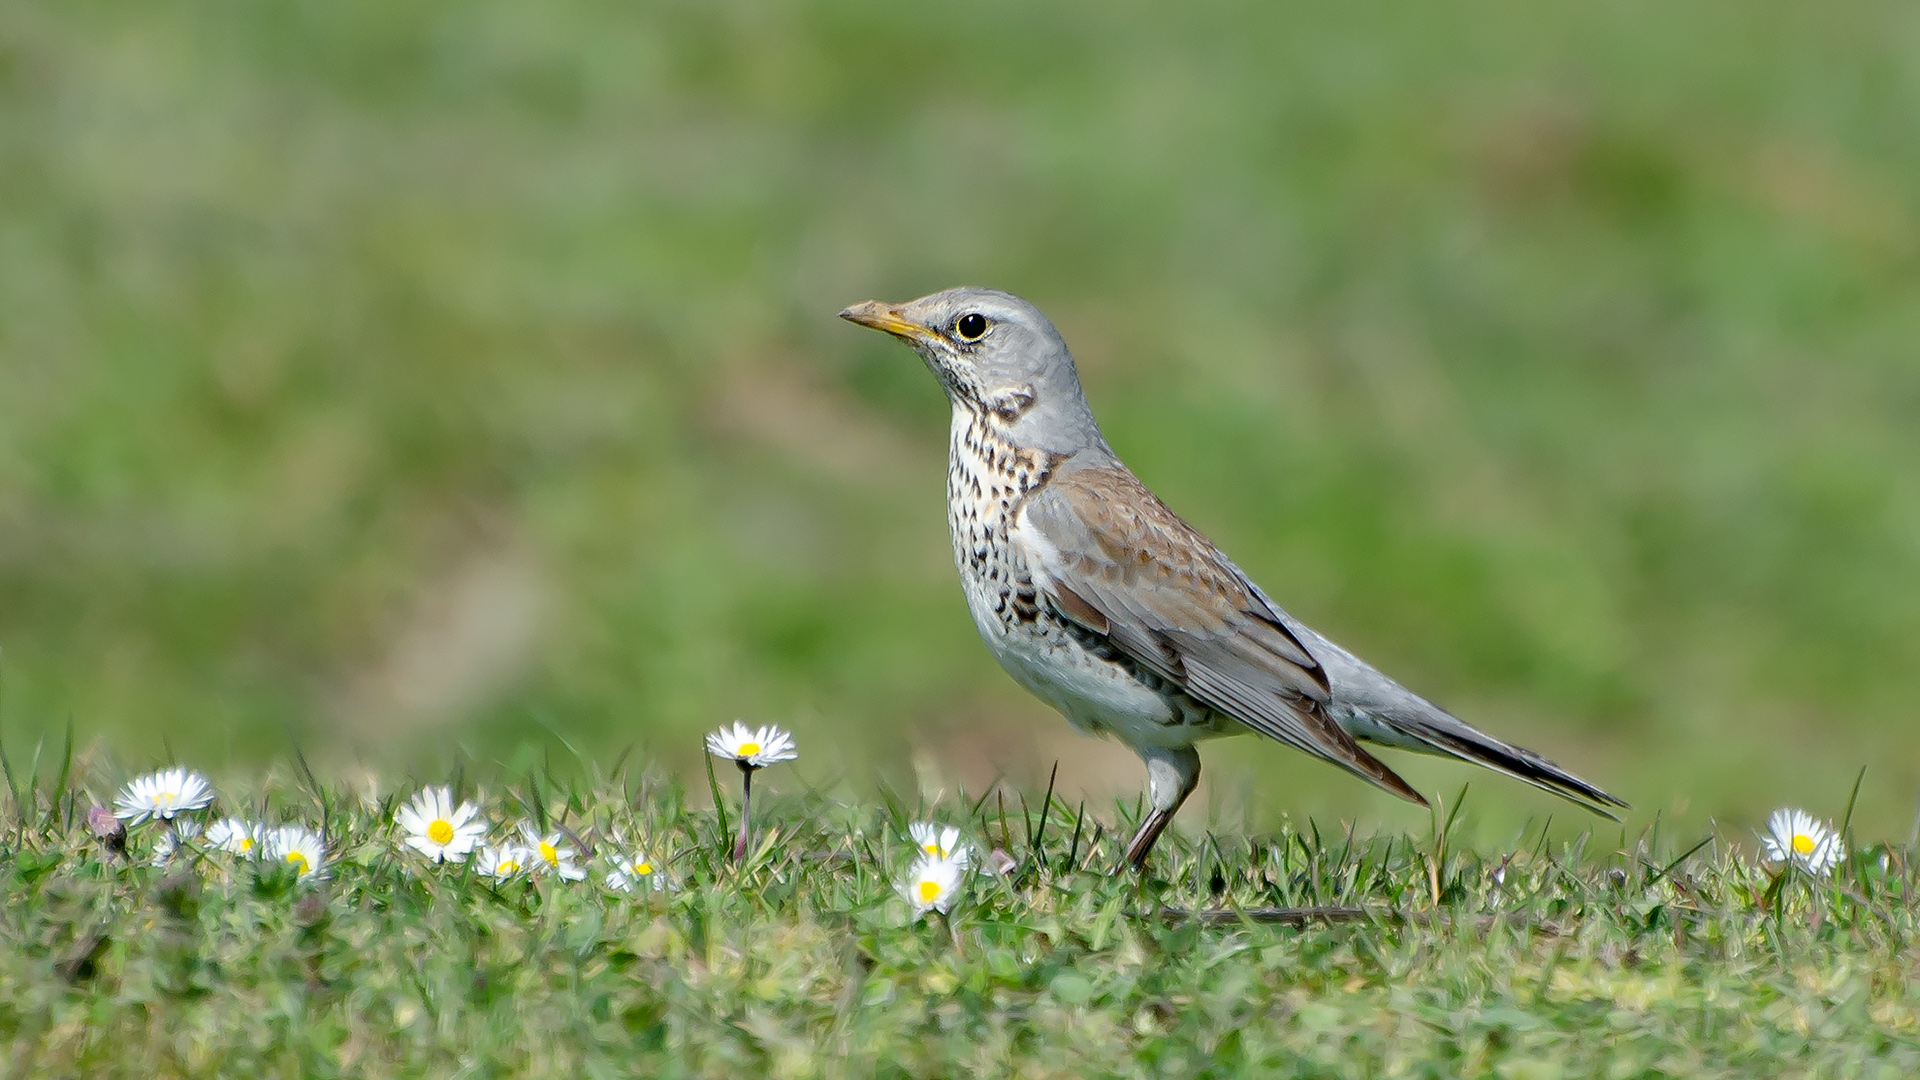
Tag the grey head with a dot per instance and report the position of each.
(998, 358)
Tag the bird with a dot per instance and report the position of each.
(1108, 606)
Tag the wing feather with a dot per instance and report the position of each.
(1109, 556)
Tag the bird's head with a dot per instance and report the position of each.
(998, 357)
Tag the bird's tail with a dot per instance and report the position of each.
(1374, 708)
(1448, 737)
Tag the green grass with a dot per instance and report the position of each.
(1614, 955)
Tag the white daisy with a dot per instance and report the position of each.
(162, 795)
(298, 846)
(933, 883)
(438, 829)
(235, 836)
(502, 861)
(755, 749)
(940, 842)
(551, 853)
(170, 841)
(632, 870)
(1796, 836)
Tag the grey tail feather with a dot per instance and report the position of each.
(1520, 763)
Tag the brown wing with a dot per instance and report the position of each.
(1111, 557)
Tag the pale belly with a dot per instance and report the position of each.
(1097, 696)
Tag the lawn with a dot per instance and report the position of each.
(1313, 950)
(450, 372)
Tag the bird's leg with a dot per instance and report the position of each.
(1172, 773)
(1150, 830)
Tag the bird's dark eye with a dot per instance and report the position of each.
(970, 327)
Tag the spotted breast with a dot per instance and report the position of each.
(987, 478)
(1093, 684)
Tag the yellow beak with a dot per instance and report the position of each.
(886, 317)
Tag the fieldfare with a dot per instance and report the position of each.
(1110, 608)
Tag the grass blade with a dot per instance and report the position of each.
(1046, 809)
(719, 802)
(60, 783)
(1846, 819)
(13, 787)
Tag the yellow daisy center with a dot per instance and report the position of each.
(507, 866)
(747, 749)
(549, 853)
(165, 800)
(299, 862)
(929, 891)
(643, 868)
(1802, 844)
(440, 832)
(246, 844)
(933, 849)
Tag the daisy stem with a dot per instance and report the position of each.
(746, 813)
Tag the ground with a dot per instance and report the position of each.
(1600, 955)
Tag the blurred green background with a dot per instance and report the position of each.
(419, 380)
